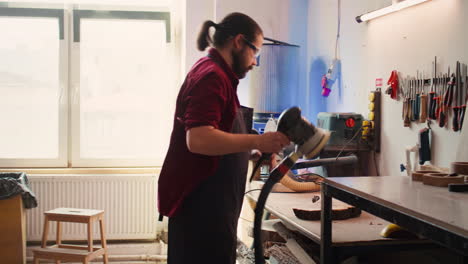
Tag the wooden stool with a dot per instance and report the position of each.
(59, 251)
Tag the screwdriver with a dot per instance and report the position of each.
(432, 93)
(436, 96)
(441, 111)
(423, 102)
(448, 97)
(403, 91)
(411, 102)
(440, 99)
(406, 120)
(456, 108)
(418, 98)
(417, 105)
(463, 95)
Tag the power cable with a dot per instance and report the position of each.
(338, 29)
(375, 164)
(252, 191)
(347, 143)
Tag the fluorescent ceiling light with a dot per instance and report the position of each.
(389, 9)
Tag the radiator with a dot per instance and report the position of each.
(128, 201)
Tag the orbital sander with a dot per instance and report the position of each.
(309, 141)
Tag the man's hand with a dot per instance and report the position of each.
(271, 142)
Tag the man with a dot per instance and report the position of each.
(202, 181)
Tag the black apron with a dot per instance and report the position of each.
(205, 230)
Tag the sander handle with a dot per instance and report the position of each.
(264, 157)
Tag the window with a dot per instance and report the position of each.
(86, 87)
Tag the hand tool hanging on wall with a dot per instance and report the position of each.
(448, 96)
(411, 101)
(393, 83)
(439, 94)
(417, 99)
(443, 107)
(423, 117)
(418, 96)
(438, 87)
(456, 98)
(463, 95)
(440, 104)
(440, 97)
(403, 92)
(432, 93)
(421, 92)
(406, 104)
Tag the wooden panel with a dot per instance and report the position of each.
(65, 254)
(441, 179)
(13, 231)
(77, 212)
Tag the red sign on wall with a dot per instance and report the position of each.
(378, 82)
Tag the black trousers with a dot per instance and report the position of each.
(205, 229)
(200, 238)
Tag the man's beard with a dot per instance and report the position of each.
(237, 65)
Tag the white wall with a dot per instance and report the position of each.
(406, 41)
(272, 15)
(196, 12)
(284, 20)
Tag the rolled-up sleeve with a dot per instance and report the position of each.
(205, 103)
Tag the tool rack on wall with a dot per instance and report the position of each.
(441, 99)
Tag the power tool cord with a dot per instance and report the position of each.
(275, 176)
(252, 190)
(265, 156)
(260, 205)
(338, 29)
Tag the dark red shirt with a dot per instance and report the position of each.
(208, 97)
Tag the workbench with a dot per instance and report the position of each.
(429, 211)
(350, 237)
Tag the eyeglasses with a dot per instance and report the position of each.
(253, 47)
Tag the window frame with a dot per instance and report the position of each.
(78, 15)
(10, 10)
(69, 17)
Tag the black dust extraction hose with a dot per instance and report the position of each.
(267, 156)
(275, 176)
